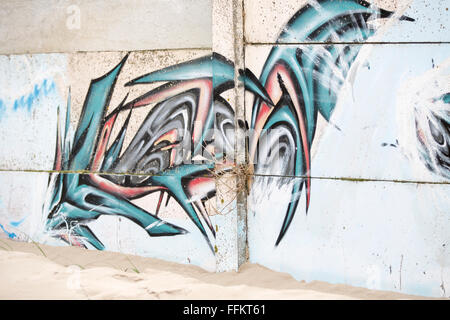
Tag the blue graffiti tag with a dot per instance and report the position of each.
(10, 235)
(26, 101)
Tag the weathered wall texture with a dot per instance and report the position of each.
(95, 25)
(359, 193)
(91, 158)
(310, 136)
(59, 122)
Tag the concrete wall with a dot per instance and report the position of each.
(77, 166)
(360, 193)
(310, 137)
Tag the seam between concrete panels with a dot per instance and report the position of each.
(347, 43)
(106, 51)
(355, 179)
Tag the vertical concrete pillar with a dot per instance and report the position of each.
(231, 222)
(240, 138)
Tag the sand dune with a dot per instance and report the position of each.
(28, 271)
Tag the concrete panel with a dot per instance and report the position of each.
(35, 86)
(86, 67)
(378, 235)
(119, 25)
(372, 109)
(265, 21)
(116, 225)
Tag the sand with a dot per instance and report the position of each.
(31, 271)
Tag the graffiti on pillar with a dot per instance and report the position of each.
(297, 83)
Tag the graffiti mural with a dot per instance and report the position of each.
(188, 119)
(156, 148)
(378, 153)
(162, 152)
(304, 81)
(345, 111)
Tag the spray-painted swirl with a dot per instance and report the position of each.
(433, 134)
(297, 82)
(304, 80)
